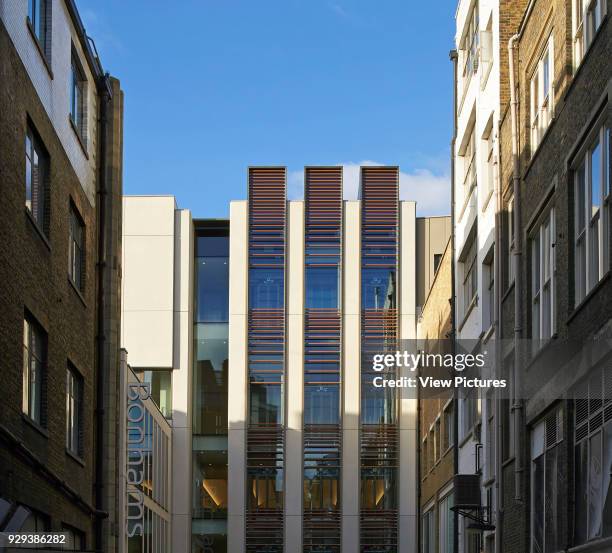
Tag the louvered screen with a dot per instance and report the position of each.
(266, 360)
(379, 440)
(322, 351)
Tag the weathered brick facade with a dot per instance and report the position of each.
(35, 468)
(546, 180)
(436, 475)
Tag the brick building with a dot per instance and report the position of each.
(555, 171)
(436, 420)
(546, 459)
(60, 231)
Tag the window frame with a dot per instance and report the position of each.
(33, 329)
(37, 173)
(78, 96)
(587, 19)
(546, 435)
(76, 251)
(509, 243)
(470, 275)
(542, 94)
(488, 285)
(592, 421)
(74, 411)
(470, 44)
(39, 21)
(591, 227)
(448, 427)
(429, 527)
(542, 243)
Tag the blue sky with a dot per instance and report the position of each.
(213, 86)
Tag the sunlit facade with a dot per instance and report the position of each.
(255, 334)
(315, 286)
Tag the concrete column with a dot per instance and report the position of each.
(294, 389)
(408, 407)
(237, 377)
(351, 310)
(182, 377)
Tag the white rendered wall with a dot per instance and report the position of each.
(147, 299)
(351, 313)
(408, 475)
(182, 378)
(237, 376)
(157, 324)
(54, 92)
(294, 460)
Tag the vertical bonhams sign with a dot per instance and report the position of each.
(137, 394)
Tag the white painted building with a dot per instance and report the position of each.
(475, 199)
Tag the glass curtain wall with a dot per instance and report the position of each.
(379, 447)
(266, 360)
(211, 313)
(322, 349)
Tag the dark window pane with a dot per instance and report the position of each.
(538, 505)
(210, 379)
(321, 487)
(265, 404)
(160, 382)
(208, 543)
(607, 482)
(265, 488)
(266, 288)
(321, 405)
(212, 289)
(378, 405)
(212, 246)
(210, 484)
(581, 493)
(595, 491)
(321, 287)
(378, 488)
(378, 288)
(595, 179)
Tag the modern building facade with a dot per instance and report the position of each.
(60, 222)
(285, 444)
(145, 460)
(321, 473)
(157, 329)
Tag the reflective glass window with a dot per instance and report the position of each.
(210, 379)
(266, 288)
(322, 287)
(378, 289)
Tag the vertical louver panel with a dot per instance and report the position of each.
(379, 439)
(266, 360)
(322, 352)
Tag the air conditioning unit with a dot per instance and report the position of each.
(466, 491)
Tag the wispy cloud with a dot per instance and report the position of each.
(429, 189)
(338, 9)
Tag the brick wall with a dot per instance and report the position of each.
(576, 97)
(434, 324)
(34, 276)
